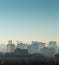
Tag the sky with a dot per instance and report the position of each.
(29, 20)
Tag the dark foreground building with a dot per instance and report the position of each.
(33, 59)
(21, 57)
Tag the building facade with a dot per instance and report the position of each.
(48, 51)
(21, 46)
(10, 47)
(35, 47)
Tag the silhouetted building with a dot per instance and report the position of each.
(57, 50)
(57, 59)
(21, 51)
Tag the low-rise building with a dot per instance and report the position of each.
(21, 46)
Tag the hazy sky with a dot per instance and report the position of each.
(28, 20)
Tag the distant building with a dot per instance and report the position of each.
(35, 47)
(18, 42)
(3, 48)
(21, 51)
(52, 44)
(48, 51)
(57, 50)
(21, 45)
(10, 47)
(10, 42)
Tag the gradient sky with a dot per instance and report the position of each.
(27, 20)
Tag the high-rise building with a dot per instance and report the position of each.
(3, 48)
(10, 42)
(52, 44)
(10, 47)
(35, 47)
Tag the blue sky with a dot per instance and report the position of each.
(28, 20)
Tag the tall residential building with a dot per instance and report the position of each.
(10, 47)
(48, 51)
(10, 42)
(3, 48)
(52, 44)
(35, 47)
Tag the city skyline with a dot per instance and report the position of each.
(28, 20)
(34, 47)
(19, 42)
